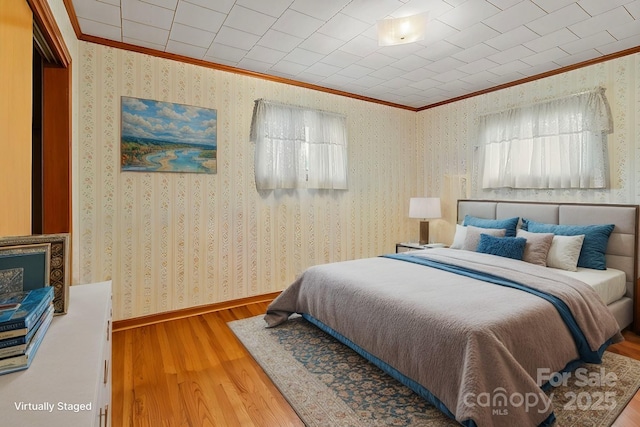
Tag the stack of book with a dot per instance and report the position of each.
(24, 320)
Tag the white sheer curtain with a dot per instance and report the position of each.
(298, 147)
(555, 144)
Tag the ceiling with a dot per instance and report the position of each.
(471, 45)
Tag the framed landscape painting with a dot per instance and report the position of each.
(166, 137)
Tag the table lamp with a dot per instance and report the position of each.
(424, 208)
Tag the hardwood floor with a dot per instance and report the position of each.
(194, 372)
(630, 348)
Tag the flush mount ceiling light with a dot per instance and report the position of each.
(403, 30)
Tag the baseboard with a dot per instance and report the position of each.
(135, 322)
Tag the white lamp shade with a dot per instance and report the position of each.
(403, 30)
(425, 207)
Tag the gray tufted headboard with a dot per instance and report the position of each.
(622, 251)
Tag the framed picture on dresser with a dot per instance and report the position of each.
(27, 262)
(24, 267)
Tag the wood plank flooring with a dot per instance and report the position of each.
(194, 372)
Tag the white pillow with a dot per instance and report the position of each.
(458, 239)
(564, 252)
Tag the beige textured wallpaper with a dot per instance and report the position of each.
(170, 241)
(450, 132)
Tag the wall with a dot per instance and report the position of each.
(450, 133)
(171, 241)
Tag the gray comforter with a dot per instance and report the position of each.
(467, 341)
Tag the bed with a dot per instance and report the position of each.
(454, 325)
(622, 250)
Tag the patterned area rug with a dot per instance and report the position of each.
(328, 384)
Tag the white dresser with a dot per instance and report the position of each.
(69, 381)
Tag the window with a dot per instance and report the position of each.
(298, 147)
(554, 144)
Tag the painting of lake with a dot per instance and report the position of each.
(166, 137)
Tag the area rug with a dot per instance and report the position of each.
(329, 385)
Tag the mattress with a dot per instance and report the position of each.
(609, 284)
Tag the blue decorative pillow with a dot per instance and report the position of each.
(596, 239)
(508, 247)
(508, 224)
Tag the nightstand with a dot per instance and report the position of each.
(406, 247)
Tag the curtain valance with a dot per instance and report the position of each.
(587, 111)
(559, 143)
